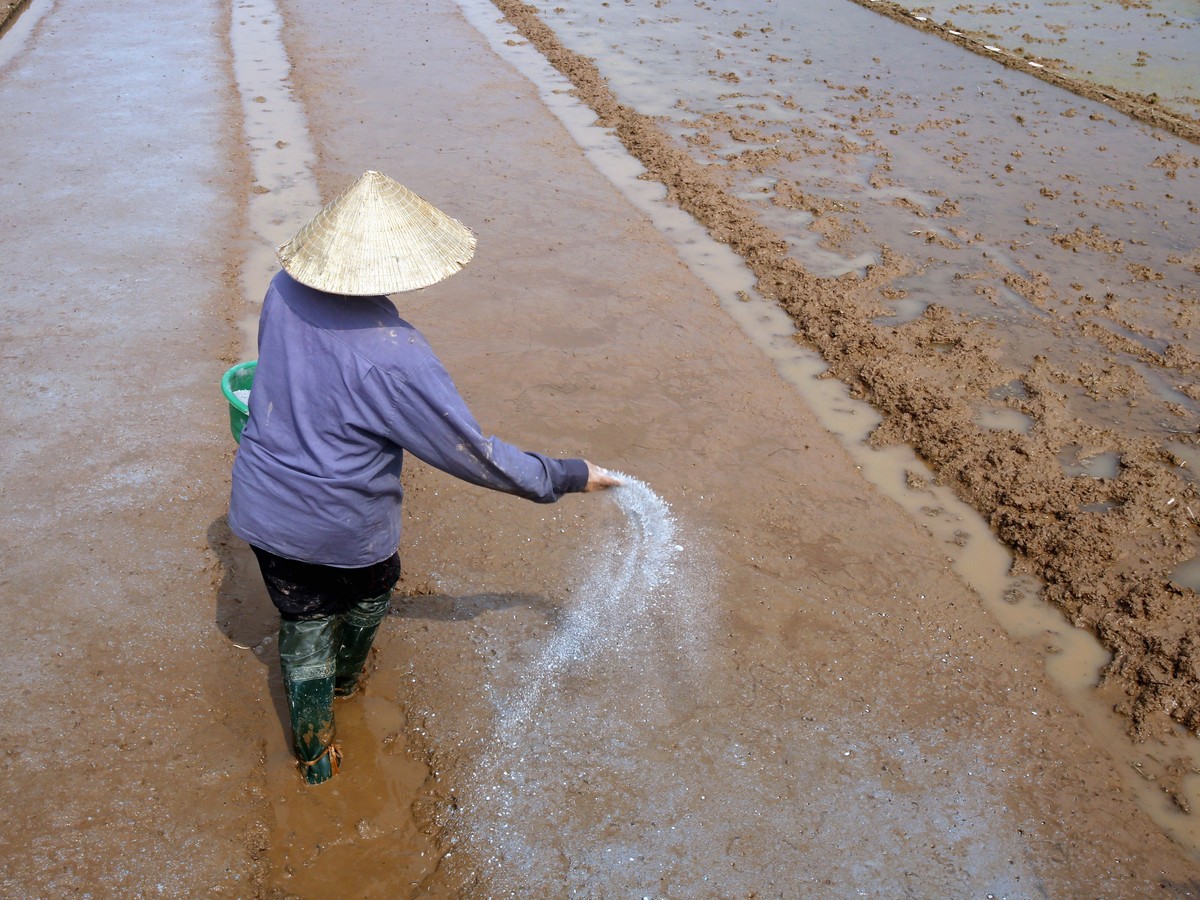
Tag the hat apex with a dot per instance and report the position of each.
(377, 237)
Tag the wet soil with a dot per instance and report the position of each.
(131, 728)
(812, 699)
(1141, 48)
(1018, 49)
(1106, 547)
(9, 10)
(844, 673)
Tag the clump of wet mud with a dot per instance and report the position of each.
(9, 10)
(928, 377)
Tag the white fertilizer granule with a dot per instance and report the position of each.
(628, 576)
(636, 624)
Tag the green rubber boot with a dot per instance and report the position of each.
(306, 656)
(356, 633)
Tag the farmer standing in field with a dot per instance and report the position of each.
(343, 388)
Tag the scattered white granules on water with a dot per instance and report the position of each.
(244, 396)
(628, 649)
(633, 755)
(626, 576)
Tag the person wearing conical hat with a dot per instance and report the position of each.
(343, 388)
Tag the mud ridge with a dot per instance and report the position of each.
(9, 12)
(1136, 106)
(1108, 572)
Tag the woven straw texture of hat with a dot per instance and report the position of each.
(377, 237)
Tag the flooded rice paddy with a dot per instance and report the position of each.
(1028, 253)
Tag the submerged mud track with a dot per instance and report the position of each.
(1144, 108)
(1110, 572)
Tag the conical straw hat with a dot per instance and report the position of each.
(377, 237)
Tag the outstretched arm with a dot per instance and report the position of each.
(431, 420)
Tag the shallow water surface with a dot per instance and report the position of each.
(756, 114)
(1148, 47)
(625, 751)
(827, 716)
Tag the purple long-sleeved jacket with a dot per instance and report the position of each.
(343, 387)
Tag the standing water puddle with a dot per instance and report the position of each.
(1074, 657)
(1187, 575)
(541, 745)
(1143, 47)
(18, 28)
(284, 194)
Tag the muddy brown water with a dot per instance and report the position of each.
(1048, 276)
(128, 714)
(1145, 47)
(808, 701)
(1074, 658)
(481, 603)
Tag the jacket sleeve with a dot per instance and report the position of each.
(430, 419)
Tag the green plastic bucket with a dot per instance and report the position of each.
(239, 378)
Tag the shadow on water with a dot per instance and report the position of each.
(244, 613)
(246, 617)
(448, 608)
(362, 821)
